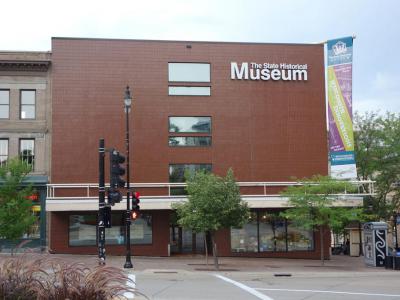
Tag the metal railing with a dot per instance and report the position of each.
(89, 190)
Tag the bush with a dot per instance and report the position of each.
(45, 278)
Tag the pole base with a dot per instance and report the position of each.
(128, 265)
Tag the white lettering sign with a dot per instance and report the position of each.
(267, 71)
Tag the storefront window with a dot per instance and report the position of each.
(245, 239)
(267, 231)
(299, 239)
(82, 230)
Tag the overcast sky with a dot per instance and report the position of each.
(29, 25)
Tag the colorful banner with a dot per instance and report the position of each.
(340, 114)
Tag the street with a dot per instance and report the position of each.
(266, 286)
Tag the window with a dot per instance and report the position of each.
(4, 104)
(266, 231)
(189, 72)
(190, 141)
(190, 124)
(189, 91)
(28, 104)
(27, 151)
(245, 239)
(3, 151)
(177, 171)
(82, 230)
(177, 174)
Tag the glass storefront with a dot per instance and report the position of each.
(82, 230)
(268, 232)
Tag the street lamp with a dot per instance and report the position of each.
(127, 102)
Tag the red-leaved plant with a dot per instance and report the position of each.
(45, 278)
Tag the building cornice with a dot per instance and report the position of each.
(25, 65)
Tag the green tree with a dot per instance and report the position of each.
(15, 210)
(377, 151)
(312, 206)
(213, 203)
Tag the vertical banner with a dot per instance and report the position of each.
(340, 114)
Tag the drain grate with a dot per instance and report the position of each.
(282, 275)
(165, 272)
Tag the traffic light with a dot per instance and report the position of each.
(116, 170)
(113, 196)
(135, 205)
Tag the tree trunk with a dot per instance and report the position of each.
(321, 234)
(215, 254)
(206, 247)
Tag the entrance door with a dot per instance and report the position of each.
(184, 241)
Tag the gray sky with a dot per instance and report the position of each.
(29, 25)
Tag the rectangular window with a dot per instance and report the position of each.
(4, 104)
(82, 230)
(28, 104)
(266, 232)
(189, 91)
(190, 124)
(190, 141)
(3, 151)
(245, 239)
(189, 72)
(299, 239)
(177, 171)
(27, 151)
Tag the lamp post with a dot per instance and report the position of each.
(127, 102)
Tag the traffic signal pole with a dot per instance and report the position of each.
(101, 225)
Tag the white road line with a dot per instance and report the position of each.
(131, 284)
(244, 287)
(328, 292)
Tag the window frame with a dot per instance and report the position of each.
(21, 105)
(189, 62)
(189, 132)
(188, 86)
(34, 151)
(7, 149)
(8, 113)
(189, 136)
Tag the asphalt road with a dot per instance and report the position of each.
(157, 284)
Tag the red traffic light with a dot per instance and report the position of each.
(136, 195)
(134, 215)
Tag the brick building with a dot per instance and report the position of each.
(256, 108)
(25, 125)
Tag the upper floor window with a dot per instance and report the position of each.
(189, 72)
(190, 124)
(177, 171)
(3, 151)
(27, 151)
(28, 104)
(189, 141)
(4, 104)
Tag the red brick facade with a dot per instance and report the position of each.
(264, 130)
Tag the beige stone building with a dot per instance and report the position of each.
(25, 122)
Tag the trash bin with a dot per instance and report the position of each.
(389, 262)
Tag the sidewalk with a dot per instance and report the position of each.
(337, 263)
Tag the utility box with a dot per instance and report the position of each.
(375, 245)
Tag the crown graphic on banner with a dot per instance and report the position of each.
(339, 48)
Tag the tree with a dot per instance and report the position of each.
(312, 206)
(377, 151)
(15, 209)
(213, 203)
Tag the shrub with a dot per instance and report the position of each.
(45, 278)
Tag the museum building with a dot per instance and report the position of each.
(256, 108)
